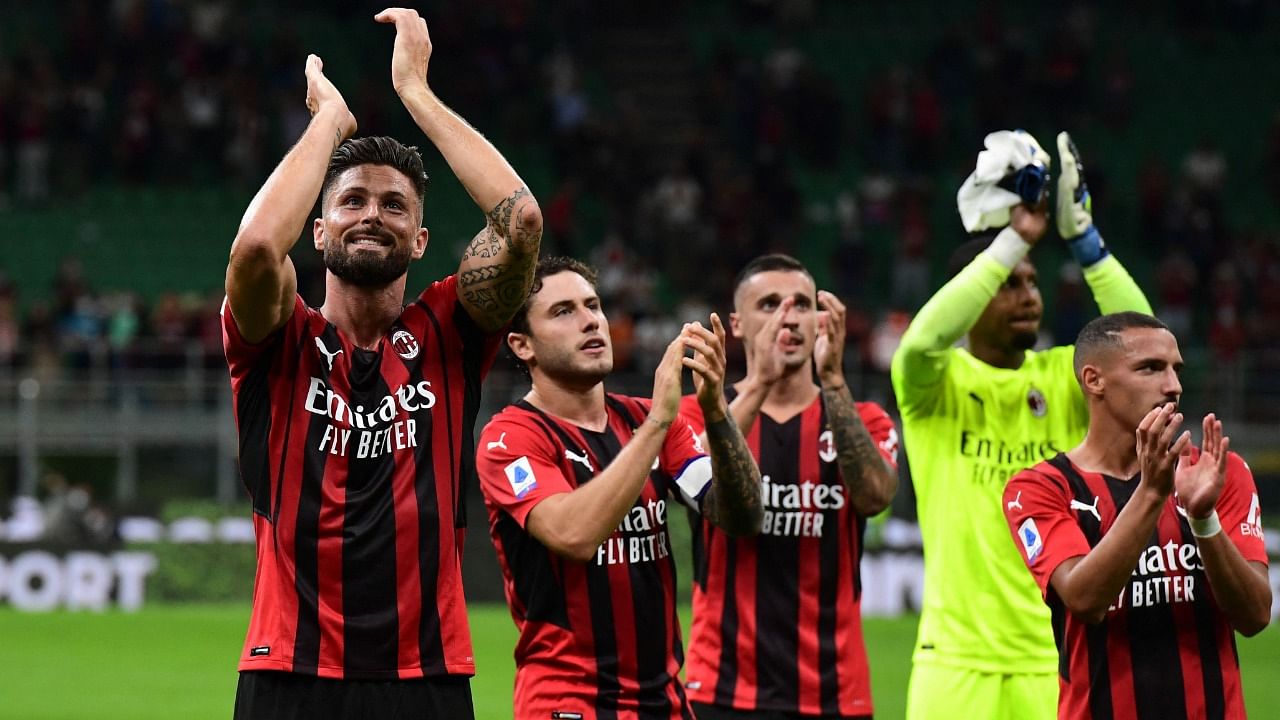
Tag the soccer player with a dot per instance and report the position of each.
(971, 418)
(579, 483)
(355, 418)
(1148, 550)
(777, 626)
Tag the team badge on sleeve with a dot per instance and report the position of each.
(1029, 534)
(520, 475)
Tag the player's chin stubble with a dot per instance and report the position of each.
(365, 269)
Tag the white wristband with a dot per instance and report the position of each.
(1008, 248)
(1205, 527)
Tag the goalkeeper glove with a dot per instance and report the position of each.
(1075, 207)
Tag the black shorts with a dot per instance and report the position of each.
(715, 712)
(269, 695)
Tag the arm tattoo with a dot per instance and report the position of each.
(497, 266)
(486, 244)
(734, 502)
(861, 465)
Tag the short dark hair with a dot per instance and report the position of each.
(378, 150)
(1104, 333)
(771, 262)
(547, 266)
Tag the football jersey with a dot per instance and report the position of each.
(777, 618)
(353, 460)
(1164, 649)
(967, 428)
(965, 439)
(599, 638)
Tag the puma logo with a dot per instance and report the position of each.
(586, 462)
(1016, 502)
(330, 356)
(497, 443)
(1077, 505)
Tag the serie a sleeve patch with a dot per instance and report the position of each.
(520, 475)
(1032, 543)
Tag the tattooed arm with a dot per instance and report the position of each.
(734, 502)
(870, 480)
(260, 281)
(497, 266)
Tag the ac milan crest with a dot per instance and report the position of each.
(405, 344)
(1036, 401)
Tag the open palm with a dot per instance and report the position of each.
(1198, 484)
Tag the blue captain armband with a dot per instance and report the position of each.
(1089, 248)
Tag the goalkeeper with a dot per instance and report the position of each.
(973, 416)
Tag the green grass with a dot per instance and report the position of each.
(179, 662)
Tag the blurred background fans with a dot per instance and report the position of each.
(667, 147)
(667, 142)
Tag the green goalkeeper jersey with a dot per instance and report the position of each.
(967, 428)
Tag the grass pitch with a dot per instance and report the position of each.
(179, 662)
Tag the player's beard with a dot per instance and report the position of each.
(568, 370)
(1025, 340)
(365, 268)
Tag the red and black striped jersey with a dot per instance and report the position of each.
(354, 460)
(1164, 649)
(777, 619)
(598, 639)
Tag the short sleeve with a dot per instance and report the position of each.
(242, 354)
(479, 349)
(685, 461)
(1046, 533)
(690, 408)
(517, 468)
(882, 431)
(1240, 512)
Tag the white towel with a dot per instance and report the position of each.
(982, 203)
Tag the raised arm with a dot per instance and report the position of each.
(573, 524)
(1113, 288)
(260, 281)
(734, 503)
(921, 358)
(870, 480)
(497, 266)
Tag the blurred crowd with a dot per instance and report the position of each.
(677, 150)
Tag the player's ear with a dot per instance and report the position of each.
(317, 233)
(1091, 380)
(520, 346)
(735, 325)
(420, 243)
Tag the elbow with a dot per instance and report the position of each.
(574, 547)
(877, 496)
(250, 248)
(1091, 610)
(1256, 622)
(527, 235)
(746, 523)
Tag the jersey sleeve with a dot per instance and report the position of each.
(921, 360)
(1239, 511)
(242, 354)
(690, 408)
(479, 348)
(518, 468)
(685, 461)
(1113, 288)
(882, 431)
(1037, 508)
